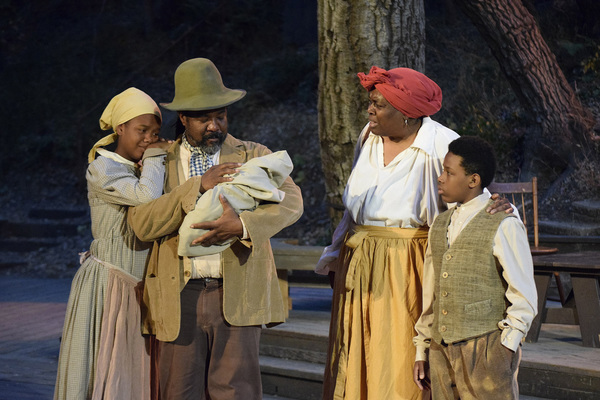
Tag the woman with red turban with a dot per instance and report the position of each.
(378, 248)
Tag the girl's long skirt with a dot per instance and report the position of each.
(103, 354)
(376, 302)
(123, 367)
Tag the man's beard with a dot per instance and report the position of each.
(211, 149)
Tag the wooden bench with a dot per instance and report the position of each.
(584, 269)
(289, 257)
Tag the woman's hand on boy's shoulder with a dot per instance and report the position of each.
(499, 204)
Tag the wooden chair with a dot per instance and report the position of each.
(515, 192)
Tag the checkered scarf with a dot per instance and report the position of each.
(200, 161)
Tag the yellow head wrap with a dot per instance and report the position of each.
(122, 108)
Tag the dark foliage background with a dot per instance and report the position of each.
(62, 61)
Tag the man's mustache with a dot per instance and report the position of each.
(213, 135)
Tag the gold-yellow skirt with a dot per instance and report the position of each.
(376, 302)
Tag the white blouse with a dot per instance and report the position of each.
(401, 194)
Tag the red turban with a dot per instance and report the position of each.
(409, 91)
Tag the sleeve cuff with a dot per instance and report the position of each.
(421, 354)
(511, 338)
(327, 262)
(245, 235)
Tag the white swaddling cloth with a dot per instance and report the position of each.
(258, 180)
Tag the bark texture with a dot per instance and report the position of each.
(534, 74)
(353, 36)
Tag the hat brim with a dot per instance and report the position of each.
(203, 102)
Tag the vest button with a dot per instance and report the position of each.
(187, 273)
(448, 257)
(443, 328)
(445, 312)
(444, 293)
(445, 275)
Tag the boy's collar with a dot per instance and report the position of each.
(475, 202)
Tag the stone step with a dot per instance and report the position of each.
(569, 228)
(586, 210)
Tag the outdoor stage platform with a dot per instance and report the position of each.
(32, 312)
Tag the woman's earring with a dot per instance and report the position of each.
(406, 122)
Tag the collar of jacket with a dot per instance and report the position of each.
(233, 150)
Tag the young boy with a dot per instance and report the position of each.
(479, 296)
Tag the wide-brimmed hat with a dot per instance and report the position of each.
(198, 87)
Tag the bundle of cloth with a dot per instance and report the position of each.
(258, 180)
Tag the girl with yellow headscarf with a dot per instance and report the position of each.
(103, 354)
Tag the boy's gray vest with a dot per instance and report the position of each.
(469, 289)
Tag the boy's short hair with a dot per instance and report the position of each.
(477, 157)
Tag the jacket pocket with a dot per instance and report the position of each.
(153, 298)
(479, 307)
(258, 283)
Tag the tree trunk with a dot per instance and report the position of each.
(353, 36)
(534, 74)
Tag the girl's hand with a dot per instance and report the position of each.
(161, 143)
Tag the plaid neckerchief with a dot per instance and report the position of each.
(200, 161)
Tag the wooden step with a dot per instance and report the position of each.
(301, 339)
(559, 367)
(293, 354)
(556, 367)
(292, 379)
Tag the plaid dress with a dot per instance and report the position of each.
(113, 185)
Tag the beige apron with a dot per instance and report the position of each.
(376, 302)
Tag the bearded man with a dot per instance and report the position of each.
(207, 312)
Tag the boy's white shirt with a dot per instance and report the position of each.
(511, 248)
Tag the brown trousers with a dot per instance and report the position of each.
(210, 360)
(480, 368)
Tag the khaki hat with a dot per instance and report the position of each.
(198, 87)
